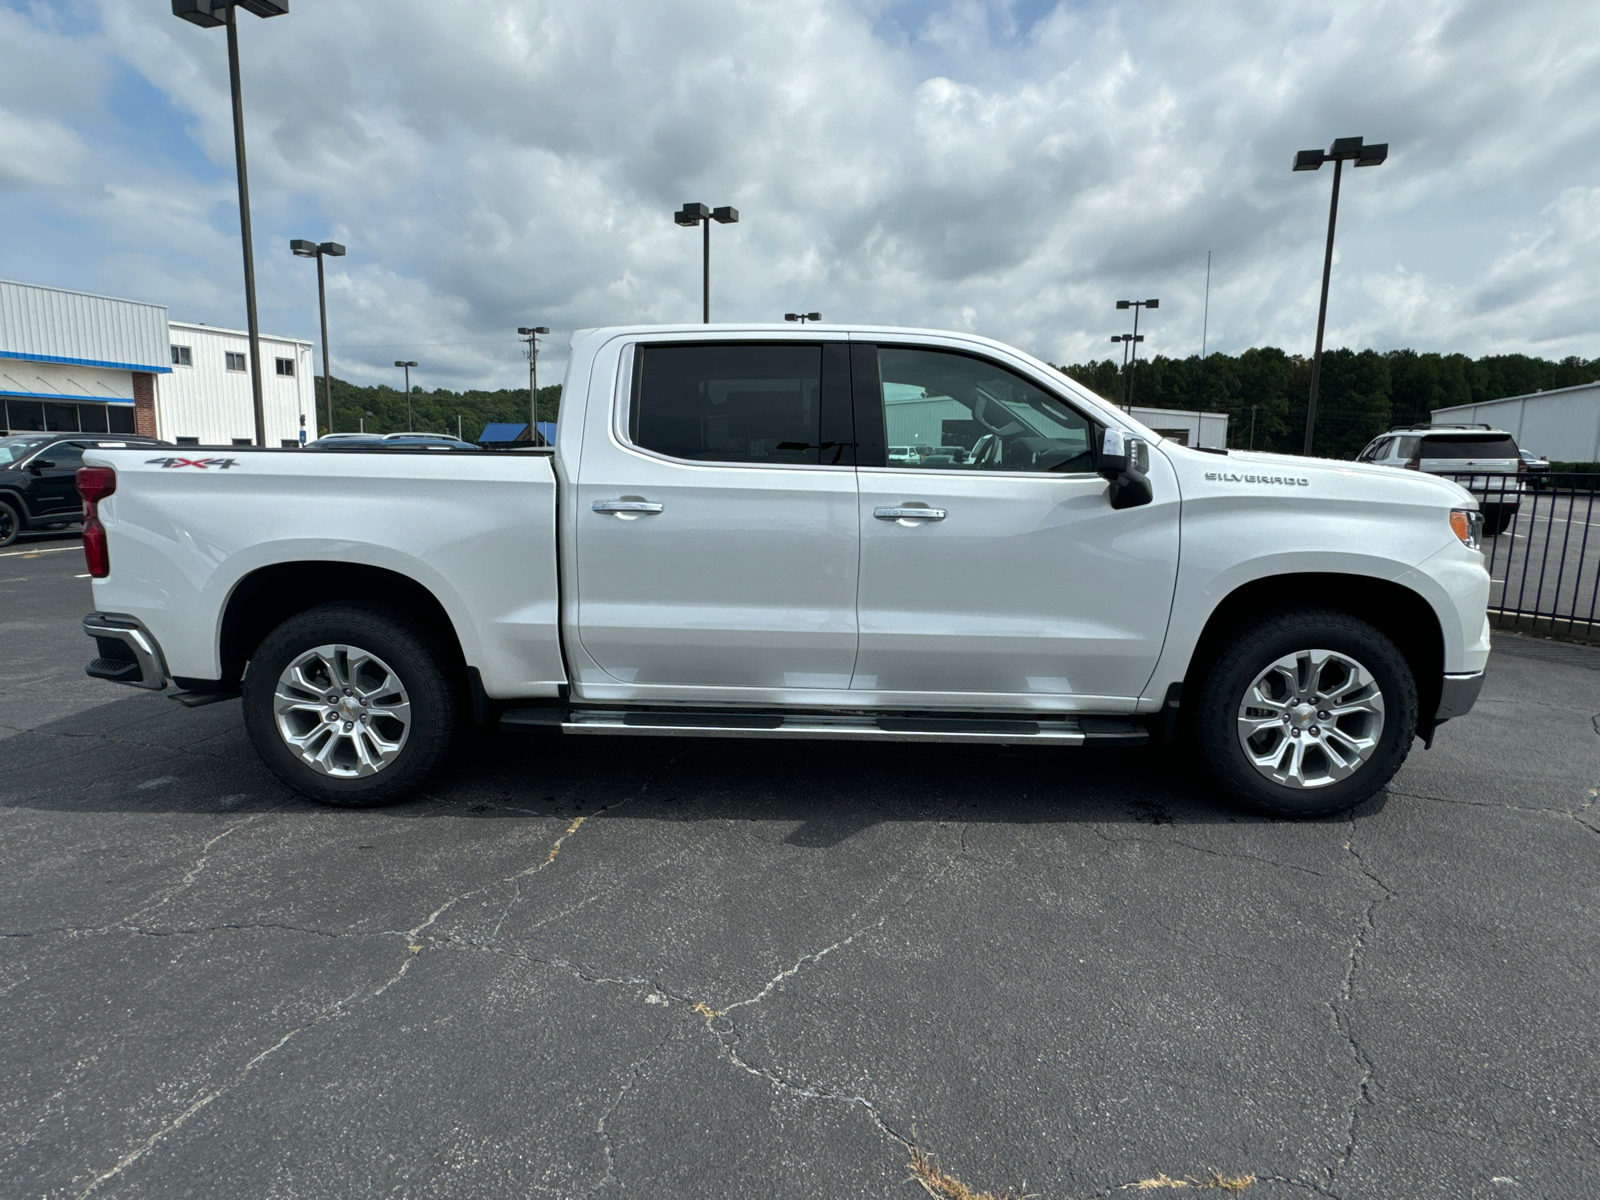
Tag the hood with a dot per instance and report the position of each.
(1353, 476)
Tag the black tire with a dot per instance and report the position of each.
(1252, 651)
(10, 523)
(1499, 520)
(419, 664)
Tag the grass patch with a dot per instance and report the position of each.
(1232, 1184)
(941, 1185)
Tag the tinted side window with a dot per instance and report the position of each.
(64, 455)
(950, 412)
(731, 403)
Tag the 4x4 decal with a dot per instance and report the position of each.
(222, 464)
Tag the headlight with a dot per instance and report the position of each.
(1468, 524)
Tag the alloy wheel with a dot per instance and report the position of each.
(1311, 718)
(342, 710)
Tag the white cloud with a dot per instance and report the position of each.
(518, 161)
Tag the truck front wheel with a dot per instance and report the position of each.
(349, 705)
(1305, 714)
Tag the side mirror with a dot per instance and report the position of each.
(1124, 461)
(39, 465)
(1113, 454)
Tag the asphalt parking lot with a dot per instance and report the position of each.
(740, 969)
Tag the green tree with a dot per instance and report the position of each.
(383, 409)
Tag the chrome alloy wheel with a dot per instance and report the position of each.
(343, 710)
(1311, 718)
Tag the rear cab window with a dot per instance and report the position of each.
(741, 402)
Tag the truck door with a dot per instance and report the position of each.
(717, 537)
(992, 563)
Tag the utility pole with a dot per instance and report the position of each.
(531, 334)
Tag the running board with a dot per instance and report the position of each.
(999, 730)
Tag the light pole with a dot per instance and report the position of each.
(1342, 151)
(305, 249)
(400, 362)
(698, 214)
(802, 317)
(1136, 305)
(208, 14)
(530, 334)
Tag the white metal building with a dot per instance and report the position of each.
(75, 362)
(1187, 427)
(1563, 423)
(206, 399)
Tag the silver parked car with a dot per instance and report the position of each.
(1483, 459)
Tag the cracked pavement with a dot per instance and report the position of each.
(595, 967)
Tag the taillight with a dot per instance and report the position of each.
(1415, 464)
(94, 485)
(1522, 466)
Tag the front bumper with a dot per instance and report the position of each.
(128, 652)
(1457, 695)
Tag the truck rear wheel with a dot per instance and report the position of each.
(350, 705)
(1306, 713)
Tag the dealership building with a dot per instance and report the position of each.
(1561, 424)
(76, 363)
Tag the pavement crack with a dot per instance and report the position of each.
(1339, 1006)
(192, 874)
(600, 1126)
(1179, 842)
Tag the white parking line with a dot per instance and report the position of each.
(30, 553)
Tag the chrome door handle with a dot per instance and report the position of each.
(910, 514)
(625, 506)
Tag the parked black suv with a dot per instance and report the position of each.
(38, 478)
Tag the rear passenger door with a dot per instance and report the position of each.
(717, 538)
(55, 486)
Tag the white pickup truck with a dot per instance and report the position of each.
(720, 544)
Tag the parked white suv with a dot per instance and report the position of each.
(722, 544)
(1483, 459)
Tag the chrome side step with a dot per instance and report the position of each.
(998, 730)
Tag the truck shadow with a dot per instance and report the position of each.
(143, 753)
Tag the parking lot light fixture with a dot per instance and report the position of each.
(531, 335)
(307, 249)
(1343, 150)
(209, 14)
(1134, 339)
(407, 364)
(699, 214)
(802, 318)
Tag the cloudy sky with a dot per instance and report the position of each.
(1011, 167)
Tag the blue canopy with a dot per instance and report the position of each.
(504, 431)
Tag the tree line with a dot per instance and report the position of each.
(1263, 391)
(1362, 392)
(384, 409)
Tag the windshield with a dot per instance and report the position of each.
(15, 449)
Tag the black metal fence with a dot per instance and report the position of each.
(1542, 546)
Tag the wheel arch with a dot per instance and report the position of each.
(17, 501)
(266, 597)
(1403, 615)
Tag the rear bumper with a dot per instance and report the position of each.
(127, 651)
(1458, 694)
